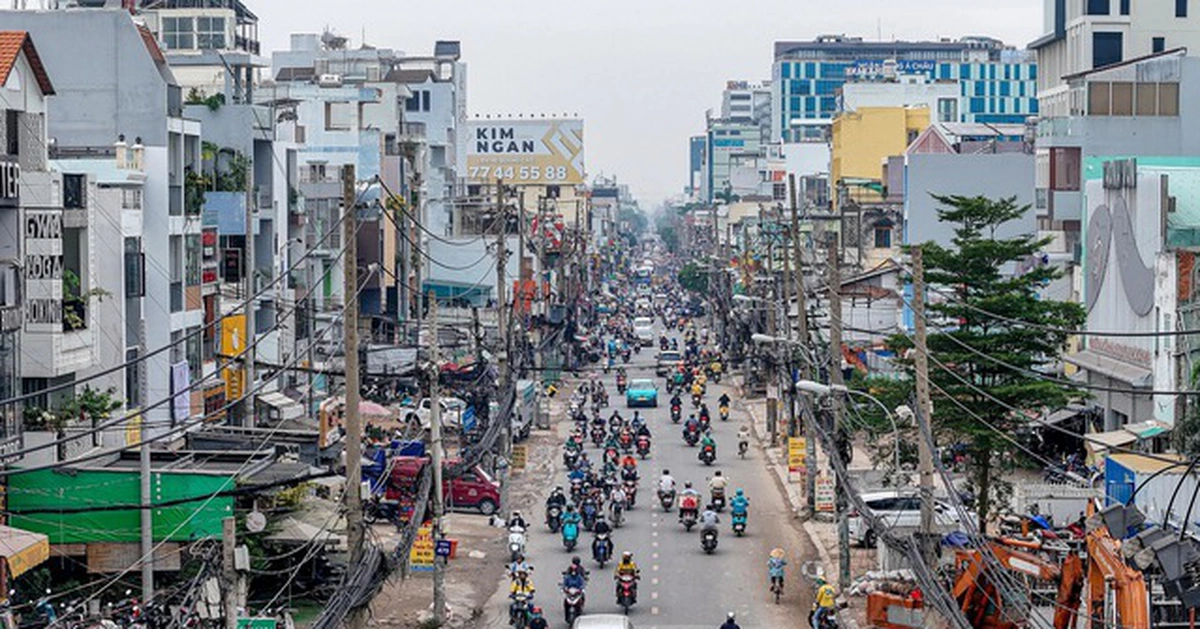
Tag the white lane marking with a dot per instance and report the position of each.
(654, 556)
(654, 544)
(653, 611)
(654, 581)
(654, 596)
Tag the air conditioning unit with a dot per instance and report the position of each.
(329, 80)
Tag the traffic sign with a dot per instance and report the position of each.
(442, 549)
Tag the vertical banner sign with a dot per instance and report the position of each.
(519, 456)
(524, 152)
(181, 400)
(797, 454)
(420, 557)
(825, 494)
(133, 430)
(233, 339)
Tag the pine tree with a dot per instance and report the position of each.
(979, 271)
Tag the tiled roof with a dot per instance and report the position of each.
(12, 43)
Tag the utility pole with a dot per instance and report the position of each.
(147, 516)
(354, 430)
(772, 394)
(924, 407)
(435, 446)
(502, 330)
(229, 598)
(835, 378)
(249, 267)
(806, 411)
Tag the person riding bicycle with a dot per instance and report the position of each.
(775, 565)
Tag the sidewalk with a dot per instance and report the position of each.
(822, 530)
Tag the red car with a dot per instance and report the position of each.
(474, 489)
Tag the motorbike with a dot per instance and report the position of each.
(708, 454)
(626, 592)
(611, 456)
(570, 458)
(696, 400)
(379, 509)
(588, 513)
(602, 549)
(675, 413)
(616, 514)
(630, 493)
(643, 446)
(621, 384)
(667, 498)
(743, 445)
(724, 410)
(718, 498)
(554, 518)
(626, 441)
(739, 524)
(829, 621)
(708, 540)
(518, 610)
(576, 489)
(570, 535)
(597, 436)
(572, 604)
(626, 355)
(688, 517)
(516, 541)
(692, 437)
(705, 423)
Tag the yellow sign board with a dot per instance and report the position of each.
(420, 556)
(233, 342)
(133, 430)
(525, 152)
(797, 454)
(519, 456)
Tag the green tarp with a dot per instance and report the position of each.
(74, 506)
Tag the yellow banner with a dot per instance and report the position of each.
(420, 556)
(233, 342)
(133, 430)
(525, 152)
(797, 454)
(519, 456)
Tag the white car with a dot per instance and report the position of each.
(603, 621)
(898, 508)
(452, 413)
(643, 327)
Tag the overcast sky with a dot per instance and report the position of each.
(640, 72)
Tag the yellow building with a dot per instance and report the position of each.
(864, 138)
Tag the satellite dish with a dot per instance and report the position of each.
(256, 521)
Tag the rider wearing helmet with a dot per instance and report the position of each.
(826, 600)
(729, 623)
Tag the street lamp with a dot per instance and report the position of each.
(816, 388)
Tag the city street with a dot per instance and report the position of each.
(681, 586)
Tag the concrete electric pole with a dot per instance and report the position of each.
(806, 411)
(924, 407)
(353, 423)
(835, 378)
(435, 447)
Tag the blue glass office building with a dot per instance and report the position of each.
(997, 84)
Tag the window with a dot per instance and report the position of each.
(12, 144)
(1124, 7)
(192, 251)
(135, 269)
(883, 237)
(74, 192)
(1097, 7)
(192, 351)
(177, 349)
(1158, 44)
(339, 116)
(210, 33)
(133, 388)
(1098, 99)
(1106, 49)
(131, 199)
(179, 33)
(1122, 99)
(1180, 8)
(1168, 99)
(1147, 99)
(425, 100)
(176, 262)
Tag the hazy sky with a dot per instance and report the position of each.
(640, 72)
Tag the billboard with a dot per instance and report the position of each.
(522, 152)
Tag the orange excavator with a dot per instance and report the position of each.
(1117, 593)
(977, 593)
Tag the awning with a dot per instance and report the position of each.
(1147, 429)
(276, 400)
(1100, 441)
(1061, 415)
(22, 550)
(1117, 370)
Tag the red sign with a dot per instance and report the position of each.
(208, 276)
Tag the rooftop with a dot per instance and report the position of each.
(12, 43)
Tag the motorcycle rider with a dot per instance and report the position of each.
(666, 483)
(740, 504)
(557, 499)
(743, 434)
(691, 425)
(689, 495)
(705, 416)
(516, 520)
(629, 469)
(519, 567)
(718, 482)
(708, 441)
(826, 601)
(723, 400)
(709, 520)
(521, 585)
(537, 620)
(729, 623)
(618, 497)
(575, 576)
(627, 567)
(571, 516)
(643, 431)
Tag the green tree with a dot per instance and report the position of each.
(978, 270)
(693, 278)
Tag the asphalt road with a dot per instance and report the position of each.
(681, 586)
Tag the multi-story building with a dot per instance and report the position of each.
(731, 161)
(1090, 34)
(25, 89)
(126, 92)
(996, 82)
(909, 90)
(747, 101)
(862, 140)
